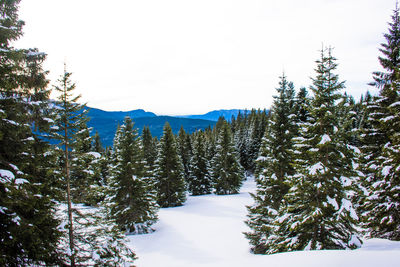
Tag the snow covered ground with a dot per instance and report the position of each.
(207, 231)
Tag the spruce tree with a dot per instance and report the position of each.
(170, 176)
(28, 227)
(79, 245)
(185, 150)
(97, 145)
(149, 149)
(83, 163)
(318, 211)
(133, 198)
(227, 173)
(199, 182)
(382, 143)
(274, 165)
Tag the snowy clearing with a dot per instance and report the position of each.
(207, 231)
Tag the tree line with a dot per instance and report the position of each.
(325, 165)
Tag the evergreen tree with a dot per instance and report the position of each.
(133, 198)
(227, 173)
(318, 212)
(382, 143)
(28, 227)
(274, 165)
(185, 151)
(79, 245)
(83, 162)
(199, 182)
(170, 181)
(302, 104)
(97, 146)
(149, 149)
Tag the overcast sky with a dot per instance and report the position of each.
(190, 57)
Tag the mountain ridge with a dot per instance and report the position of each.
(106, 122)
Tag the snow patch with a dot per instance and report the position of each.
(325, 139)
(6, 176)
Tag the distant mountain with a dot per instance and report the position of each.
(216, 114)
(119, 115)
(106, 123)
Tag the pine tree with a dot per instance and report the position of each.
(79, 245)
(83, 163)
(133, 197)
(185, 150)
(199, 182)
(96, 145)
(227, 173)
(274, 165)
(28, 227)
(170, 181)
(318, 212)
(382, 143)
(149, 149)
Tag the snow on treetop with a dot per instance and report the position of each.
(95, 154)
(316, 167)
(386, 170)
(325, 139)
(333, 202)
(6, 176)
(33, 54)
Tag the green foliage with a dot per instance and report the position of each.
(132, 196)
(199, 181)
(318, 211)
(227, 173)
(274, 165)
(170, 182)
(28, 227)
(382, 143)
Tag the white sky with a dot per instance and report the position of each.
(193, 56)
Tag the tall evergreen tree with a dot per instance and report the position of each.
(149, 149)
(318, 212)
(28, 228)
(274, 165)
(382, 143)
(96, 145)
(185, 150)
(79, 245)
(227, 173)
(170, 177)
(133, 197)
(83, 162)
(199, 182)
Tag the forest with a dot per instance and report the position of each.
(326, 165)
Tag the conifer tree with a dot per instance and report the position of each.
(170, 177)
(199, 182)
(133, 197)
(274, 165)
(185, 151)
(149, 149)
(318, 212)
(382, 143)
(28, 227)
(79, 245)
(83, 163)
(227, 173)
(96, 145)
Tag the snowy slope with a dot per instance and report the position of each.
(207, 231)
